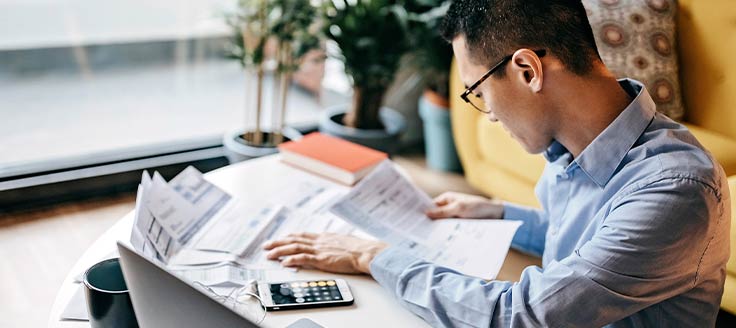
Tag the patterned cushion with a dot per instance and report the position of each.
(636, 39)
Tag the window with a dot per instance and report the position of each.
(87, 83)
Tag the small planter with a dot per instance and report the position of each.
(438, 141)
(238, 149)
(386, 140)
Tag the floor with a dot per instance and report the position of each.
(39, 248)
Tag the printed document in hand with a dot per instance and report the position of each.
(389, 207)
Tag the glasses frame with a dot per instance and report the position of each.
(469, 90)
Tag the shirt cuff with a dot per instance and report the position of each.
(389, 264)
(516, 212)
(524, 239)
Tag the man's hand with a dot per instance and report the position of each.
(459, 205)
(327, 252)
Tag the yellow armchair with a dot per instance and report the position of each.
(728, 302)
(497, 165)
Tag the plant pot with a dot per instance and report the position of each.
(439, 144)
(238, 149)
(386, 139)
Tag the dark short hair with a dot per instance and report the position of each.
(496, 28)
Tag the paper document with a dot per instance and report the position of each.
(306, 210)
(76, 309)
(186, 204)
(221, 275)
(148, 235)
(190, 221)
(236, 228)
(389, 207)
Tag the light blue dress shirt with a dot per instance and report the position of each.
(634, 232)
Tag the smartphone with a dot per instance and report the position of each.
(305, 294)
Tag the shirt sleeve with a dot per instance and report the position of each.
(530, 237)
(668, 223)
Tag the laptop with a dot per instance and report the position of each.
(161, 299)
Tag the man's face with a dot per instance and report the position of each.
(510, 100)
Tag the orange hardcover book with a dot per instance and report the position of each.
(337, 159)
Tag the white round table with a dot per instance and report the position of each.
(256, 181)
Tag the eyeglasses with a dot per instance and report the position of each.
(478, 102)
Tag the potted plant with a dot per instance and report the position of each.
(371, 36)
(432, 56)
(269, 37)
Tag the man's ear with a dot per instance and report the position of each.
(527, 68)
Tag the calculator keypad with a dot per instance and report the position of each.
(305, 292)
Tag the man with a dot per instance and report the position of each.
(635, 217)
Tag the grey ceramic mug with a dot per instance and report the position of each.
(108, 300)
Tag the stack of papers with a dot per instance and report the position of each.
(190, 221)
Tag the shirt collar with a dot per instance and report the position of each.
(601, 157)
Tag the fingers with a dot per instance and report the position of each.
(446, 211)
(305, 235)
(300, 260)
(290, 249)
(443, 199)
(286, 241)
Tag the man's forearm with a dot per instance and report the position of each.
(440, 296)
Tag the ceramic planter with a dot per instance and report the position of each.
(238, 149)
(386, 139)
(438, 141)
